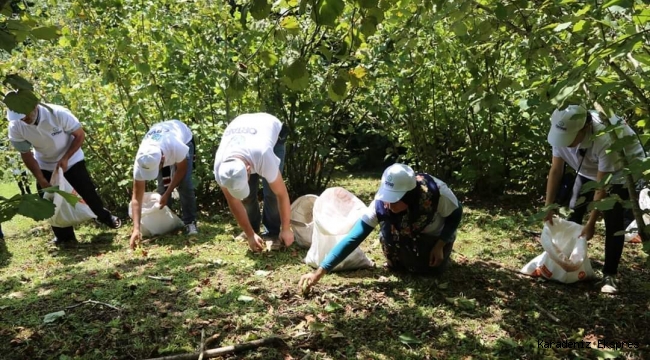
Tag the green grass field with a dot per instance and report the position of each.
(480, 309)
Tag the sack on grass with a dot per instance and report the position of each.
(154, 220)
(335, 212)
(565, 254)
(65, 214)
(302, 219)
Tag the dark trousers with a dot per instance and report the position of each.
(416, 260)
(78, 176)
(614, 222)
(23, 183)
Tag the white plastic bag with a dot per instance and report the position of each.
(335, 212)
(565, 254)
(65, 214)
(154, 220)
(302, 219)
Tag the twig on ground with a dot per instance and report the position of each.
(161, 278)
(93, 302)
(208, 354)
(202, 344)
(546, 312)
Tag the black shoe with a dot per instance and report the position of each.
(65, 244)
(114, 223)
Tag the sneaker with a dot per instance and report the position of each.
(115, 222)
(65, 244)
(191, 229)
(273, 243)
(608, 285)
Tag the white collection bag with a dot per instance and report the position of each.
(65, 214)
(335, 212)
(154, 220)
(302, 220)
(565, 254)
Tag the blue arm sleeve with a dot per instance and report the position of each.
(451, 224)
(351, 241)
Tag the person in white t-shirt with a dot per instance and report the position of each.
(577, 140)
(253, 146)
(56, 137)
(418, 216)
(169, 143)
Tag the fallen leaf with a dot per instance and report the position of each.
(201, 303)
(409, 339)
(332, 307)
(117, 275)
(262, 273)
(52, 317)
(245, 298)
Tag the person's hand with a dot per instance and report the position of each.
(255, 242)
(436, 257)
(287, 237)
(549, 216)
(63, 164)
(136, 237)
(43, 183)
(163, 200)
(588, 231)
(307, 281)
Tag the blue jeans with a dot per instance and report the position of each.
(185, 188)
(271, 214)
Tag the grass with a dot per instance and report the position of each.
(481, 308)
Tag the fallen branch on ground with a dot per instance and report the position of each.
(208, 354)
(546, 312)
(93, 302)
(161, 278)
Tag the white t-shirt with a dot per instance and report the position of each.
(51, 138)
(171, 137)
(596, 156)
(252, 136)
(446, 205)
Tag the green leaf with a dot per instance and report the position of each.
(52, 317)
(8, 207)
(368, 26)
(143, 68)
(237, 83)
(22, 101)
(46, 32)
(68, 197)
(291, 24)
(606, 354)
(260, 9)
(509, 342)
(562, 26)
(326, 52)
(268, 57)
(501, 12)
(33, 206)
(328, 11)
(605, 204)
(18, 82)
(583, 11)
(613, 2)
(297, 69)
(296, 76)
(332, 307)
(409, 339)
(338, 89)
(245, 298)
(577, 27)
(460, 29)
(642, 18)
(7, 41)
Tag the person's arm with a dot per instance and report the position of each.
(284, 205)
(179, 175)
(552, 183)
(32, 165)
(78, 138)
(136, 210)
(599, 194)
(351, 241)
(239, 212)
